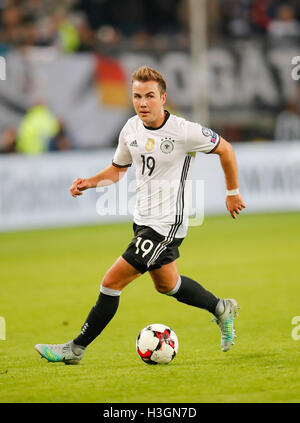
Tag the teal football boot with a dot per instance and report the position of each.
(60, 352)
(226, 311)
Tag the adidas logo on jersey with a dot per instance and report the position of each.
(133, 143)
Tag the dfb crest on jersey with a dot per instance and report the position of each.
(149, 144)
(206, 132)
(167, 145)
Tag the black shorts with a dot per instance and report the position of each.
(149, 250)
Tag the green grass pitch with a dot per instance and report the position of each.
(50, 279)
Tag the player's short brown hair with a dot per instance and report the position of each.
(144, 74)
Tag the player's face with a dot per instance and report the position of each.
(148, 102)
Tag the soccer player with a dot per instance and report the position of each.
(162, 147)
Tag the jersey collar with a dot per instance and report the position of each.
(167, 115)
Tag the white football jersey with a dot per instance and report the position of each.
(163, 159)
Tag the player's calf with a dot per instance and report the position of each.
(192, 293)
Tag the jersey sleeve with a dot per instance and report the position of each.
(122, 157)
(199, 138)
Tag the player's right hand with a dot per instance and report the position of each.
(79, 185)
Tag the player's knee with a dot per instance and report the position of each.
(109, 282)
(161, 288)
(112, 282)
(167, 286)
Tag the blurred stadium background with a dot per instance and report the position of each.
(232, 65)
(228, 64)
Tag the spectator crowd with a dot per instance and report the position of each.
(78, 25)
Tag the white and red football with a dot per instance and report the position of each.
(157, 344)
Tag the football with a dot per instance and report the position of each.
(157, 344)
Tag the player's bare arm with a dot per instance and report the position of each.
(234, 203)
(107, 176)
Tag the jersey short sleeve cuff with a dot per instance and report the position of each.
(120, 166)
(122, 156)
(200, 139)
(215, 146)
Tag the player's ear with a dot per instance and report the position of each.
(164, 98)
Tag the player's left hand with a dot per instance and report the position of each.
(234, 204)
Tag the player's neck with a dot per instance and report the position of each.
(160, 121)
